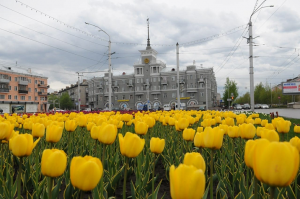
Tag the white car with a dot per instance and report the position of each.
(264, 106)
(58, 110)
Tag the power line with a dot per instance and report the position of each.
(49, 36)
(53, 27)
(49, 45)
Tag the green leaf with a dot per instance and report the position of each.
(133, 190)
(69, 191)
(155, 191)
(290, 192)
(55, 191)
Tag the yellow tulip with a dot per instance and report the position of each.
(257, 121)
(129, 123)
(95, 132)
(200, 129)
(297, 129)
(224, 127)
(233, 131)
(107, 134)
(4, 130)
(171, 121)
(82, 120)
(157, 145)
(27, 125)
(270, 135)
(150, 121)
(70, 125)
(295, 141)
(275, 163)
(240, 120)
(85, 172)
(283, 126)
(198, 140)
(259, 130)
(90, 125)
(269, 126)
(264, 122)
(249, 152)
(213, 137)
(183, 123)
(218, 120)
(120, 125)
(188, 134)
(229, 121)
(141, 128)
(247, 131)
(131, 145)
(22, 145)
(127, 117)
(186, 182)
(194, 159)
(53, 133)
(38, 130)
(54, 162)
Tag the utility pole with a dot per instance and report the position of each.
(177, 60)
(78, 97)
(271, 93)
(206, 96)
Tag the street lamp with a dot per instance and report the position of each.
(251, 54)
(109, 65)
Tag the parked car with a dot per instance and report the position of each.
(58, 110)
(246, 106)
(238, 107)
(1, 110)
(264, 106)
(257, 106)
(202, 107)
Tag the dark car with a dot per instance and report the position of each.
(1, 110)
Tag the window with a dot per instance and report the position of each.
(35, 81)
(137, 80)
(123, 89)
(9, 87)
(173, 78)
(2, 96)
(29, 80)
(16, 88)
(182, 95)
(130, 81)
(35, 98)
(164, 87)
(123, 97)
(191, 76)
(173, 95)
(116, 97)
(154, 79)
(42, 90)
(16, 97)
(154, 88)
(42, 82)
(29, 97)
(100, 98)
(154, 69)
(165, 95)
(131, 97)
(141, 80)
(139, 97)
(173, 86)
(202, 94)
(29, 89)
(139, 71)
(22, 97)
(16, 79)
(191, 85)
(192, 95)
(9, 96)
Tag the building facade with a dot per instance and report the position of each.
(22, 91)
(72, 90)
(154, 84)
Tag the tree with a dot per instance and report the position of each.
(245, 99)
(53, 100)
(230, 87)
(66, 102)
(259, 93)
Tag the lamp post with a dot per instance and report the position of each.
(177, 60)
(250, 41)
(109, 65)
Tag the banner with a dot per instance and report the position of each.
(292, 88)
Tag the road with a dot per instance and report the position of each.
(284, 112)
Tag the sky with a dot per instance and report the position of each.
(52, 39)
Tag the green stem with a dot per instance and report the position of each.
(103, 159)
(19, 178)
(153, 176)
(272, 192)
(211, 172)
(125, 176)
(296, 185)
(247, 181)
(50, 184)
(81, 194)
(37, 164)
(255, 187)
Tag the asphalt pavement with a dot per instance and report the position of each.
(282, 112)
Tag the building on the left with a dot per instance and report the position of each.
(22, 91)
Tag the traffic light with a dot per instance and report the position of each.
(232, 97)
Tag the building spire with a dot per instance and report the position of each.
(148, 40)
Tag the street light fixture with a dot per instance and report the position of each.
(250, 40)
(109, 65)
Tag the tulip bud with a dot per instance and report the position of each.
(95, 132)
(213, 137)
(198, 140)
(200, 129)
(107, 134)
(283, 126)
(131, 145)
(141, 128)
(297, 129)
(70, 125)
(53, 133)
(89, 126)
(264, 122)
(85, 172)
(270, 135)
(54, 162)
(194, 159)
(157, 145)
(38, 130)
(247, 131)
(295, 141)
(183, 123)
(188, 134)
(22, 145)
(4, 130)
(180, 187)
(275, 163)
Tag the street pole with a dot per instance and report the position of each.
(271, 93)
(109, 78)
(206, 94)
(251, 67)
(78, 97)
(177, 60)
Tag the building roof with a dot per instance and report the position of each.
(20, 71)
